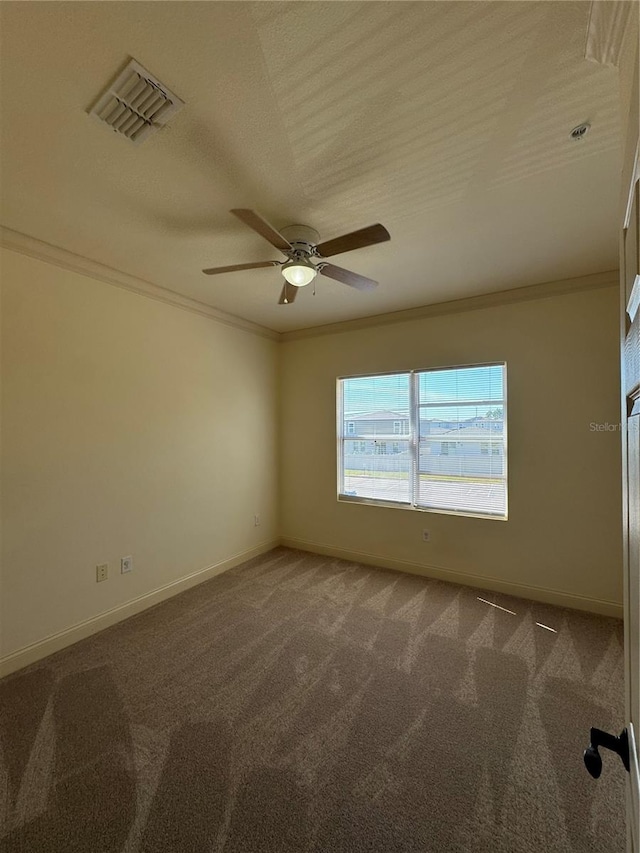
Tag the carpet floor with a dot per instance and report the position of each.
(303, 703)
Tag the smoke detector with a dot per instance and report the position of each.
(580, 131)
(136, 104)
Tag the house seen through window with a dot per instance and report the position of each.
(428, 439)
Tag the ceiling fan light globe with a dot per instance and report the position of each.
(299, 274)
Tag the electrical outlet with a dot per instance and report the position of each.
(102, 572)
(256, 521)
(126, 565)
(426, 536)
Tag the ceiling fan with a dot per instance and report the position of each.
(301, 247)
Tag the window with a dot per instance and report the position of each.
(447, 447)
(485, 445)
(446, 450)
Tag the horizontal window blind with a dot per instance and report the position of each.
(430, 439)
(374, 445)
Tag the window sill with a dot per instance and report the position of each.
(348, 499)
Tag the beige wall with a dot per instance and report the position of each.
(134, 427)
(128, 427)
(562, 540)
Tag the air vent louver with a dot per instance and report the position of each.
(136, 103)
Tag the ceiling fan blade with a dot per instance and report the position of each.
(353, 279)
(236, 267)
(288, 295)
(264, 229)
(355, 240)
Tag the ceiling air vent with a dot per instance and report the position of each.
(136, 103)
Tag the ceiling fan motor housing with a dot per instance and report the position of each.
(302, 238)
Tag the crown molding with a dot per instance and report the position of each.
(33, 248)
(470, 303)
(608, 22)
(30, 246)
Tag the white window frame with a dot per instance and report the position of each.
(413, 437)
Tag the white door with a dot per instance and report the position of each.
(631, 487)
(630, 360)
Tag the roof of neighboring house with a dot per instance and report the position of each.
(387, 415)
(378, 416)
(473, 431)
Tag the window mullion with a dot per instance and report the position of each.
(414, 435)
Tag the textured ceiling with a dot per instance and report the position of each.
(446, 121)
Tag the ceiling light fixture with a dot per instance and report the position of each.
(299, 272)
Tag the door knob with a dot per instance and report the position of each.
(620, 745)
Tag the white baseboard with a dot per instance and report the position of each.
(535, 593)
(47, 646)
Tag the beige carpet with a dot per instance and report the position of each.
(302, 703)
